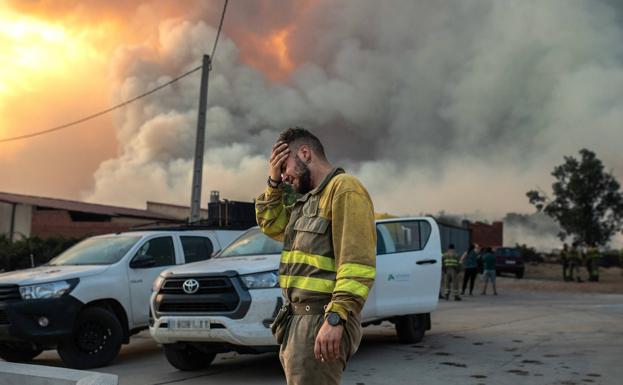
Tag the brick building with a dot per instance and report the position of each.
(484, 234)
(25, 216)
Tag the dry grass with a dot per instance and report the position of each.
(548, 277)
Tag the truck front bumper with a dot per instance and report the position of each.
(252, 330)
(19, 320)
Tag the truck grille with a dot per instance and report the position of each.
(4, 318)
(206, 286)
(215, 295)
(9, 292)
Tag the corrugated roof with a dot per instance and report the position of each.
(92, 208)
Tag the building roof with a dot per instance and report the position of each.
(92, 208)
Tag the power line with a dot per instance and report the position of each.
(218, 32)
(93, 116)
(125, 103)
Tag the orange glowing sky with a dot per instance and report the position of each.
(55, 67)
(271, 54)
(49, 71)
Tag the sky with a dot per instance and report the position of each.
(436, 105)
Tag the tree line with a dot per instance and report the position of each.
(26, 252)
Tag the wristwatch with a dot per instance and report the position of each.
(334, 319)
(273, 183)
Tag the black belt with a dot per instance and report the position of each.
(308, 308)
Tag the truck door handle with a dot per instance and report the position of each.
(427, 262)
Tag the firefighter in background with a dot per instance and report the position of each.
(564, 260)
(586, 261)
(575, 258)
(451, 264)
(593, 256)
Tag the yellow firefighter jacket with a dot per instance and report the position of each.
(450, 259)
(592, 253)
(329, 242)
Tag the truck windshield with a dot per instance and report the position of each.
(253, 242)
(96, 251)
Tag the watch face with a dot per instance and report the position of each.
(333, 319)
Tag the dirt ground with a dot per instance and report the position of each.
(548, 277)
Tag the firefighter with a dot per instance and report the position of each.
(593, 257)
(564, 261)
(574, 262)
(328, 263)
(450, 261)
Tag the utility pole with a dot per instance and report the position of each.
(195, 200)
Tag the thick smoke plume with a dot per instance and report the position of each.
(436, 105)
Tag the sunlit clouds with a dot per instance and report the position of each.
(460, 106)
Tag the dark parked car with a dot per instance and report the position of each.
(509, 260)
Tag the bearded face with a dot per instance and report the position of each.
(302, 180)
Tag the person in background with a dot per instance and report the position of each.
(593, 257)
(575, 259)
(451, 272)
(469, 260)
(564, 261)
(586, 261)
(488, 260)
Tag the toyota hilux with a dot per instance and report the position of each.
(228, 302)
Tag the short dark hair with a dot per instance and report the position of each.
(297, 136)
(451, 246)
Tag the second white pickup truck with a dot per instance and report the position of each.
(228, 302)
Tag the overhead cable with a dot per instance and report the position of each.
(125, 103)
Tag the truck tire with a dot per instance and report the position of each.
(95, 341)
(411, 328)
(18, 352)
(187, 357)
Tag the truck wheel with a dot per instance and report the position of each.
(187, 357)
(18, 352)
(410, 328)
(95, 341)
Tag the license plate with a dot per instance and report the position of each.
(189, 324)
(510, 262)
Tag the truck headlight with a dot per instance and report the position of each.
(157, 283)
(261, 280)
(48, 290)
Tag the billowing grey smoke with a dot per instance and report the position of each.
(449, 105)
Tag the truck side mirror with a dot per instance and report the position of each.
(143, 261)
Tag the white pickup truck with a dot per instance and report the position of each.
(89, 300)
(228, 302)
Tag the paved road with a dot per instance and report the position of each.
(517, 337)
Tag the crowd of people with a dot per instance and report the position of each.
(482, 260)
(574, 257)
(473, 261)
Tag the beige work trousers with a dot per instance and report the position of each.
(297, 351)
(451, 279)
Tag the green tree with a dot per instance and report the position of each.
(587, 202)
(16, 255)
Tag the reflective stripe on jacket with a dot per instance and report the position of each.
(592, 253)
(329, 238)
(450, 259)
